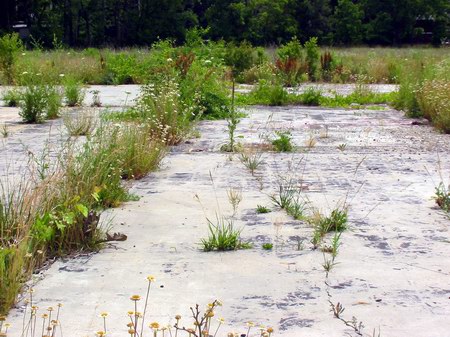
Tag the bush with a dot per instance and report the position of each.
(161, 107)
(239, 57)
(54, 101)
(121, 68)
(202, 89)
(33, 103)
(311, 96)
(312, 58)
(284, 142)
(268, 93)
(291, 50)
(10, 46)
(11, 97)
(73, 92)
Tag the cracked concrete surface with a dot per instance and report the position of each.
(393, 266)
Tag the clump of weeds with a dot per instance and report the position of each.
(283, 142)
(262, 209)
(80, 123)
(251, 160)
(223, 236)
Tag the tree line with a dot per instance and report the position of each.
(81, 23)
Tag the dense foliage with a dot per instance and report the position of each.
(262, 22)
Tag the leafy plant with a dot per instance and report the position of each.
(11, 97)
(54, 101)
(33, 103)
(312, 58)
(284, 141)
(311, 96)
(10, 46)
(267, 246)
(73, 92)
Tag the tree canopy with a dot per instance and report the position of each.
(261, 22)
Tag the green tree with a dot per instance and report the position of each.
(269, 21)
(347, 23)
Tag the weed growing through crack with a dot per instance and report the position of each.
(356, 325)
(335, 222)
(328, 263)
(262, 209)
(283, 142)
(4, 130)
(234, 198)
(73, 92)
(285, 194)
(296, 208)
(11, 97)
(251, 160)
(267, 246)
(342, 147)
(223, 236)
(96, 99)
(333, 248)
(311, 141)
(442, 196)
(80, 123)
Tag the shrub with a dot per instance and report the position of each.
(73, 92)
(54, 101)
(11, 97)
(291, 50)
(311, 96)
(10, 46)
(312, 58)
(33, 103)
(160, 106)
(121, 68)
(269, 93)
(203, 91)
(239, 57)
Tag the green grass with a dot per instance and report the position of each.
(262, 209)
(223, 236)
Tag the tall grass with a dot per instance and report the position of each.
(57, 211)
(425, 92)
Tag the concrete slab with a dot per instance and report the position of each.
(393, 266)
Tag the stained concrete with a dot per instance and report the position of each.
(393, 267)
